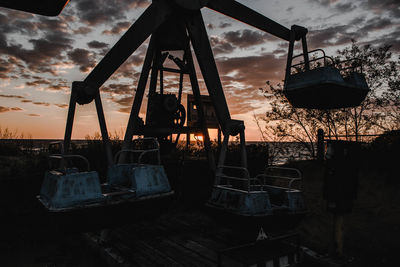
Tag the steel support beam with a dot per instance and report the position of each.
(102, 123)
(201, 45)
(145, 25)
(103, 130)
(246, 15)
(70, 121)
(200, 109)
(137, 102)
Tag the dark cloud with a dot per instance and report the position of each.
(331, 36)
(343, 34)
(118, 28)
(223, 25)
(252, 70)
(45, 52)
(378, 6)
(245, 38)
(125, 110)
(324, 2)
(38, 82)
(50, 24)
(392, 39)
(210, 26)
(242, 76)
(32, 25)
(97, 45)
(58, 87)
(82, 30)
(11, 96)
(61, 105)
(33, 115)
(345, 7)
(118, 89)
(125, 101)
(357, 21)
(83, 58)
(220, 45)
(382, 6)
(6, 68)
(376, 23)
(41, 104)
(48, 84)
(279, 51)
(14, 24)
(7, 109)
(94, 12)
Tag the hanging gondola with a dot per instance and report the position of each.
(327, 84)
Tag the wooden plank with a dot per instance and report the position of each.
(177, 239)
(131, 258)
(140, 249)
(217, 232)
(180, 254)
(197, 248)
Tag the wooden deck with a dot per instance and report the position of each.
(186, 238)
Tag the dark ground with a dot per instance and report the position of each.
(372, 230)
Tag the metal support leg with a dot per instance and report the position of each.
(137, 102)
(305, 53)
(201, 45)
(243, 149)
(153, 80)
(222, 155)
(219, 138)
(70, 121)
(103, 129)
(154, 73)
(290, 53)
(200, 110)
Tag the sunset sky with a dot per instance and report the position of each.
(41, 56)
